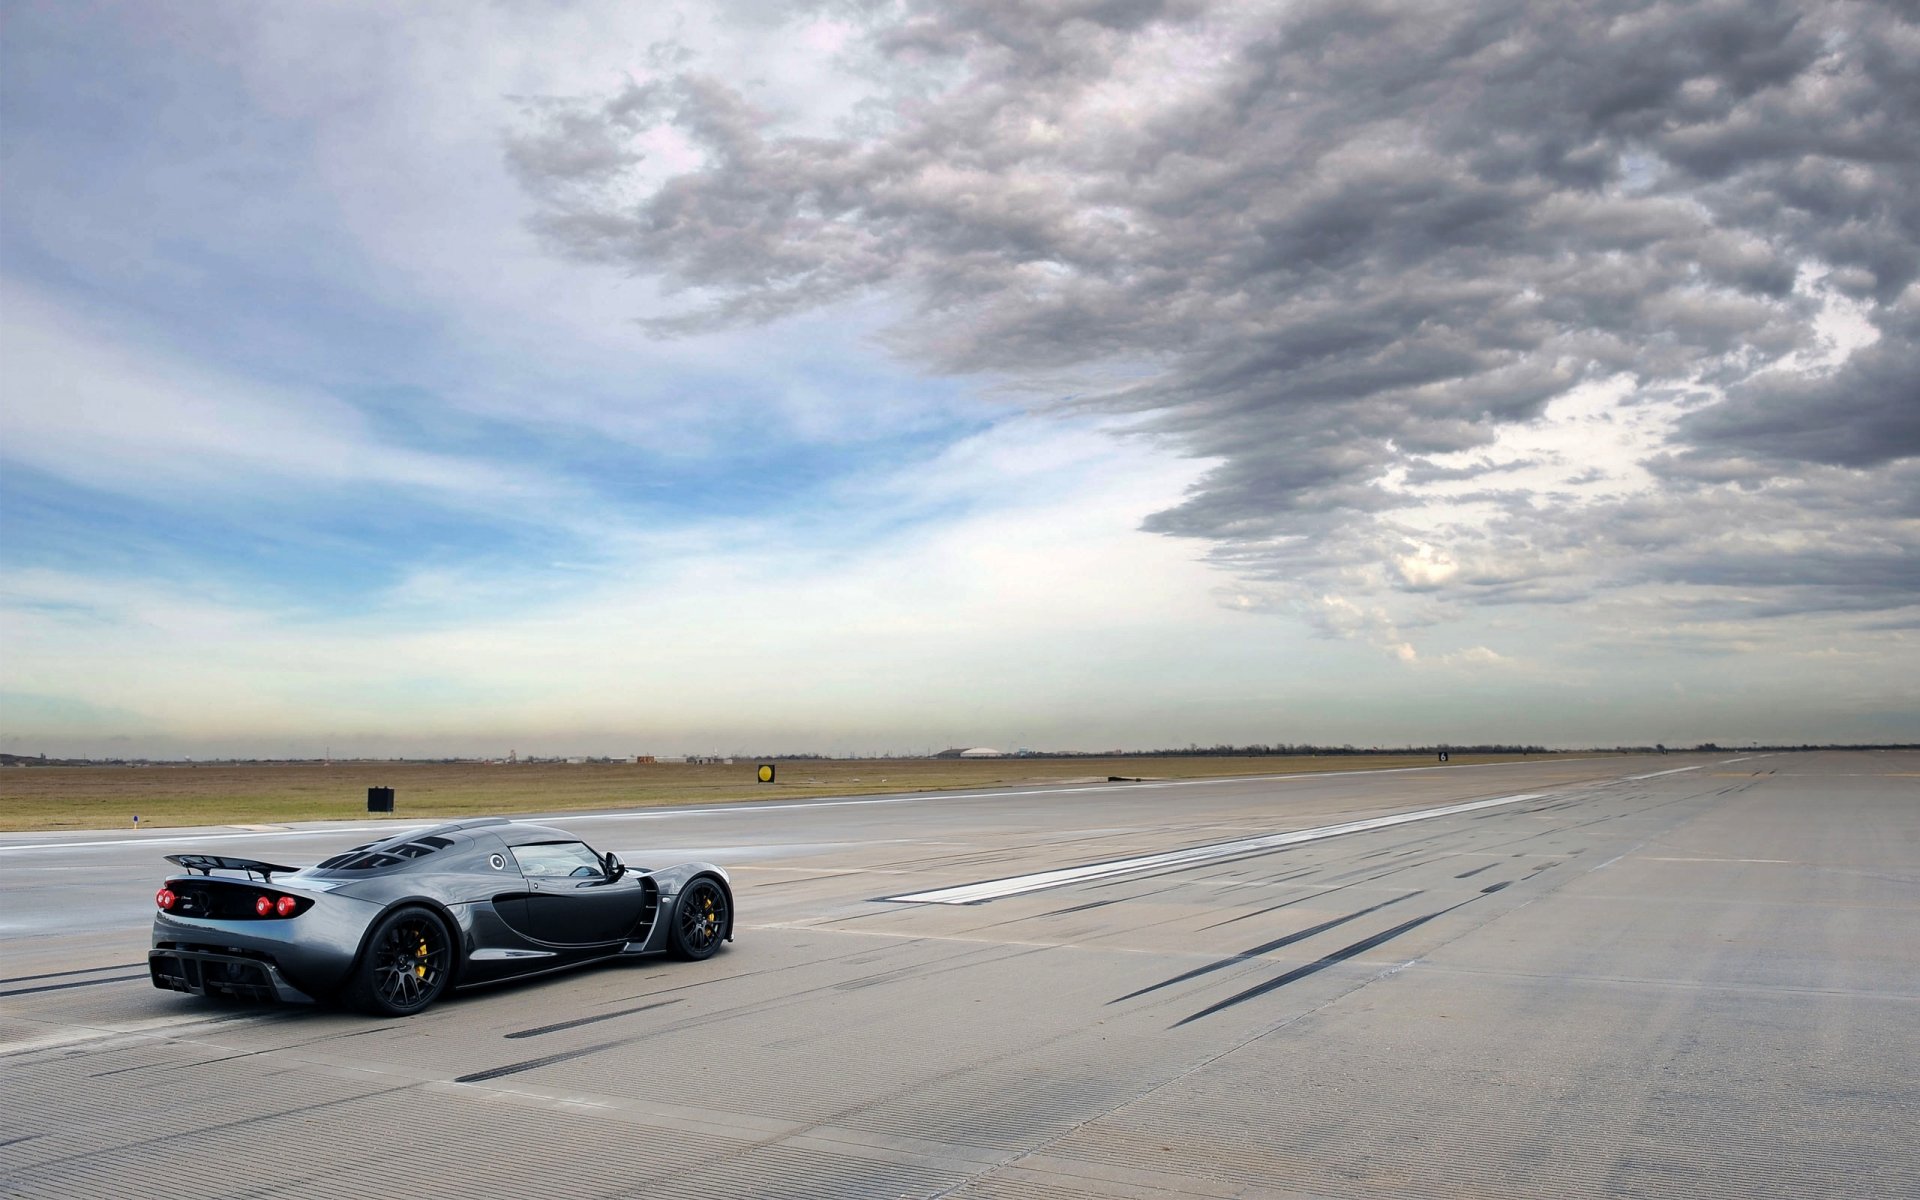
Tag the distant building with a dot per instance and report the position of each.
(644, 758)
(983, 752)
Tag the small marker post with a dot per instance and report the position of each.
(136, 820)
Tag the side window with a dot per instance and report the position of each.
(557, 860)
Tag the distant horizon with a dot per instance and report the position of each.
(1224, 751)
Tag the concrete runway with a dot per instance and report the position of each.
(1677, 976)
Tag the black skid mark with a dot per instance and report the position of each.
(1263, 948)
(1313, 968)
(593, 1020)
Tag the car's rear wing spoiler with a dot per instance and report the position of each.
(207, 864)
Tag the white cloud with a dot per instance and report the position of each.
(87, 402)
(1044, 592)
(1425, 568)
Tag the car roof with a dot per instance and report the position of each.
(513, 833)
(409, 847)
(520, 833)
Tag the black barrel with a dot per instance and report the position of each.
(380, 799)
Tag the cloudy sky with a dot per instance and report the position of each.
(861, 376)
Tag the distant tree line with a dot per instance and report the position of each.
(1306, 749)
(1282, 749)
(1286, 749)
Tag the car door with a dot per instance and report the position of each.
(570, 900)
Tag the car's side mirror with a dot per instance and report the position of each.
(615, 868)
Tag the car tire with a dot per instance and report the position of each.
(700, 919)
(406, 964)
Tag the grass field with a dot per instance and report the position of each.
(110, 797)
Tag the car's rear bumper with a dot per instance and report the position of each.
(212, 972)
(309, 955)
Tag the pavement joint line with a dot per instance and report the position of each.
(1689, 985)
(72, 983)
(654, 1114)
(1015, 885)
(73, 1034)
(1801, 904)
(74, 971)
(1085, 947)
(183, 839)
(733, 868)
(983, 941)
(1785, 862)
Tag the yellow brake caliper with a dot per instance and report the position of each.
(420, 968)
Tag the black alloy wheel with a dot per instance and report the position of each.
(700, 919)
(407, 963)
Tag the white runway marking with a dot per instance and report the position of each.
(323, 829)
(995, 889)
(1675, 771)
(1695, 767)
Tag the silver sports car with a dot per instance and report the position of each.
(390, 926)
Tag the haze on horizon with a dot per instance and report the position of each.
(853, 376)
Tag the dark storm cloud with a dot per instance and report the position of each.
(1865, 414)
(1347, 237)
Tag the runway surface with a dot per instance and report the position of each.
(1686, 975)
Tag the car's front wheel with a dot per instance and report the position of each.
(700, 919)
(406, 965)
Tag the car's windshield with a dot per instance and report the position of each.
(557, 860)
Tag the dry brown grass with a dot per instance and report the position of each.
(109, 797)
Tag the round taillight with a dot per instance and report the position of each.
(165, 898)
(263, 905)
(285, 905)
